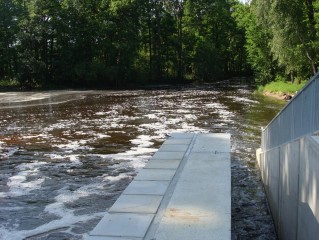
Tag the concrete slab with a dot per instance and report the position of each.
(182, 135)
(136, 204)
(271, 179)
(123, 225)
(147, 187)
(168, 155)
(155, 175)
(308, 209)
(173, 148)
(109, 238)
(174, 141)
(214, 142)
(182, 193)
(160, 163)
(288, 204)
(194, 212)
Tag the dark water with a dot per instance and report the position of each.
(65, 157)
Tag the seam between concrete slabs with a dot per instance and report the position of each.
(169, 192)
(166, 194)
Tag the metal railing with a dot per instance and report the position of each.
(298, 118)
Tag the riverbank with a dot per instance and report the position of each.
(278, 95)
(281, 90)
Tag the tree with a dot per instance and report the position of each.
(257, 42)
(10, 12)
(210, 31)
(292, 28)
(118, 42)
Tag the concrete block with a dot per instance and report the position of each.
(176, 141)
(168, 155)
(193, 212)
(214, 142)
(173, 148)
(147, 187)
(123, 225)
(308, 219)
(109, 238)
(136, 204)
(259, 156)
(155, 175)
(271, 176)
(289, 182)
(182, 135)
(164, 164)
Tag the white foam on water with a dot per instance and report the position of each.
(137, 156)
(6, 152)
(140, 151)
(101, 135)
(151, 116)
(74, 158)
(222, 111)
(66, 216)
(35, 136)
(142, 141)
(183, 111)
(242, 99)
(18, 184)
(214, 105)
(101, 113)
(190, 117)
(74, 145)
(112, 179)
(67, 221)
(173, 121)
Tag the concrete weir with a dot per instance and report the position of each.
(184, 192)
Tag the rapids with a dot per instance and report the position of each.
(65, 156)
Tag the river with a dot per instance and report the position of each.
(65, 156)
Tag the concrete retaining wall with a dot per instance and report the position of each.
(291, 178)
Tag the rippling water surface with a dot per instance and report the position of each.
(66, 156)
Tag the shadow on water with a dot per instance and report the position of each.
(65, 157)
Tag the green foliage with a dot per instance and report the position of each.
(10, 83)
(118, 42)
(281, 37)
(282, 87)
(125, 42)
(257, 43)
(280, 78)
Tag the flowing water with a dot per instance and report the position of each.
(66, 156)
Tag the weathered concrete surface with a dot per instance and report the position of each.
(123, 225)
(308, 209)
(291, 177)
(199, 208)
(184, 192)
(288, 204)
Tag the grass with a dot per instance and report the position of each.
(281, 87)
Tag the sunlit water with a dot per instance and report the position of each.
(65, 157)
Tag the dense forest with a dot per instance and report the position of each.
(133, 42)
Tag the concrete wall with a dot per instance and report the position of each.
(290, 174)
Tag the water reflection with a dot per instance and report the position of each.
(66, 156)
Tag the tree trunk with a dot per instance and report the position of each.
(292, 76)
(180, 13)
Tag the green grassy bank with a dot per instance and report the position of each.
(281, 87)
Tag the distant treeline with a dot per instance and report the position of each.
(282, 38)
(84, 43)
(119, 42)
